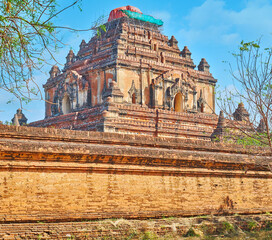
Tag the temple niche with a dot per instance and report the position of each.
(125, 75)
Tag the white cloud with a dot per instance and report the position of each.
(211, 11)
(255, 17)
(213, 22)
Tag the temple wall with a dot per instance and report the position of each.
(131, 118)
(126, 76)
(208, 95)
(52, 174)
(82, 97)
(160, 96)
(59, 193)
(190, 101)
(50, 94)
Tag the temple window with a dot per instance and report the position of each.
(109, 81)
(178, 103)
(152, 95)
(66, 105)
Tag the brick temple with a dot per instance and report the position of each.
(56, 183)
(132, 79)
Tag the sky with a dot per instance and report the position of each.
(211, 29)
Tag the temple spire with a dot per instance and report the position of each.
(241, 114)
(19, 118)
(203, 65)
(219, 133)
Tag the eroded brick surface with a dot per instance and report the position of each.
(52, 174)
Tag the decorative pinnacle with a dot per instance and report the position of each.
(186, 52)
(203, 65)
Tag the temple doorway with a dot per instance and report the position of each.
(66, 105)
(178, 103)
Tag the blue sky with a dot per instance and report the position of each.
(210, 28)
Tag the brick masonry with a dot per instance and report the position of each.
(64, 175)
(171, 228)
(134, 119)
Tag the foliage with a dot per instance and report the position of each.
(132, 235)
(28, 39)
(148, 235)
(252, 76)
(245, 140)
(268, 226)
(228, 227)
(191, 233)
(252, 225)
(254, 140)
(27, 34)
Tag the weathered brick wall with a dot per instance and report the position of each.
(62, 175)
(134, 119)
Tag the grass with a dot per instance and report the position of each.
(213, 229)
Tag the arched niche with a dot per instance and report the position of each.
(133, 98)
(202, 107)
(152, 98)
(66, 105)
(179, 103)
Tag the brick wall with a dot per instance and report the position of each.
(64, 175)
(134, 119)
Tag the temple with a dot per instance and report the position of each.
(132, 79)
(151, 147)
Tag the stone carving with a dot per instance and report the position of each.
(201, 103)
(133, 93)
(73, 86)
(19, 118)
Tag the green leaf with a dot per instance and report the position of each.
(103, 28)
